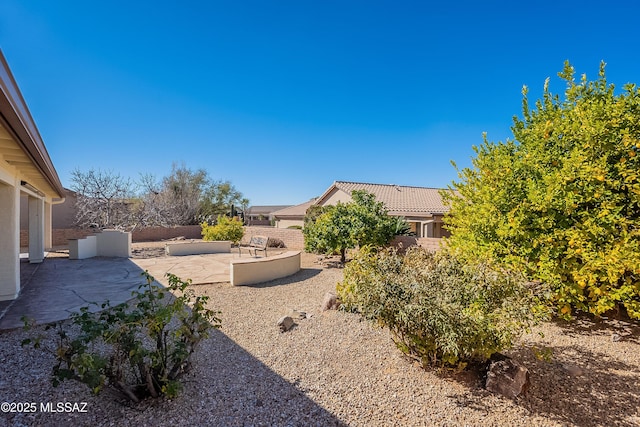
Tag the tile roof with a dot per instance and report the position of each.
(399, 199)
(265, 209)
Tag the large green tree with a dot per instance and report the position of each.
(561, 201)
(363, 221)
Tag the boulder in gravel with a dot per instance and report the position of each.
(508, 378)
(330, 302)
(285, 323)
(573, 370)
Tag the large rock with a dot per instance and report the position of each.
(330, 302)
(508, 378)
(573, 370)
(285, 323)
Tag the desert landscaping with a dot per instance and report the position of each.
(333, 368)
(319, 214)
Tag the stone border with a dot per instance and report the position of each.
(250, 271)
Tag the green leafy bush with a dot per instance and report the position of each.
(225, 229)
(439, 310)
(139, 349)
(562, 201)
(363, 221)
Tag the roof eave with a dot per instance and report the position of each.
(18, 121)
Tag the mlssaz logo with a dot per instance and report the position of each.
(63, 407)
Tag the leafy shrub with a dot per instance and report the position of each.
(363, 221)
(439, 310)
(313, 212)
(140, 350)
(225, 229)
(561, 202)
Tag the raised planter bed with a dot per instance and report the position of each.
(112, 243)
(250, 271)
(196, 248)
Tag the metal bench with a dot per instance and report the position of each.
(256, 243)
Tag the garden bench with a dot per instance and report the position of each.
(256, 243)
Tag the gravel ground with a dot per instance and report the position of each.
(334, 369)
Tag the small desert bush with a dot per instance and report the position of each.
(225, 229)
(140, 349)
(439, 310)
(274, 242)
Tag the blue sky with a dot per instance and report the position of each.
(284, 97)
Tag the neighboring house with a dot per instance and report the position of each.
(261, 215)
(293, 216)
(421, 207)
(26, 171)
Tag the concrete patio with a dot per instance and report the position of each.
(57, 287)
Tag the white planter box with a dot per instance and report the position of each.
(112, 243)
(83, 248)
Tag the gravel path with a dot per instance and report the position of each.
(334, 369)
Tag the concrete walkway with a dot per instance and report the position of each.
(59, 286)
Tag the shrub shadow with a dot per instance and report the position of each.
(606, 393)
(621, 329)
(303, 274)
(603, 394)
(241, 390)
(225, 386)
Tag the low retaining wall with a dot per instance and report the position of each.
(250, 271)
(195, 248)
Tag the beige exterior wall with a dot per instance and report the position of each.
(63, 215)
(9, 229)
(293, 239)
(337, 196)
(415, 228)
